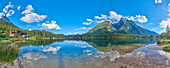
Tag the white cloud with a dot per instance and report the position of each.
(87, 23)
(7, 7)
(29, 9)
(29, 29)
(2, 14)
(164, 23)
(4, 10)
(169, 8)
(139, 18)
(18, 7)
(102, 17)
(31, 17)
(89, 20)
(82, 28)
(114, 15)
(28, 25)
(158, 1)
(10, 13)
(51, 25)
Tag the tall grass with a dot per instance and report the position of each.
(8, 53)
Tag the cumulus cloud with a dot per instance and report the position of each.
(87, 23)
(158, 1)
(164, 23)
(102, 17)
(139, 18)
(18, 8)
(114, 15)
(10, 13)
(4, 10)
(169, 8)
(31, 17)
(7, 7)
(51, 25)
(89, 20)
(82, 28)
(29, 9)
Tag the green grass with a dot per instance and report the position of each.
(5, 41)
(8, 53)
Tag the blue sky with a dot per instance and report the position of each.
(68, 16)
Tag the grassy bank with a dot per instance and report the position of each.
(167, 48)
(164, 42)
(8, 53)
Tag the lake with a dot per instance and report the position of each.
(92, 54)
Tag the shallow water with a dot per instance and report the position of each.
(94, 54)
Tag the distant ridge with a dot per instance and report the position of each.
(124, 26)
(5, 18)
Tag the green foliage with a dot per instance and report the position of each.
(167, 48)
(105, 26)
(5, 41)
(124, 26)
(163, 42)
(8, 26)
(16, 36)
(158, 42)
(8, 53)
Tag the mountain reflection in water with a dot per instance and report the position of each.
(94, 54)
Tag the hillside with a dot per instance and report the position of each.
(6, 25)
(124, 26)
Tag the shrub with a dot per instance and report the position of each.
(167, 48)
(158, 42)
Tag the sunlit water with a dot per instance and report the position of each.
(80, 54)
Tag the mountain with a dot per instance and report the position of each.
(124, 26)
(103, 27)
(5, 19)
(6, 25)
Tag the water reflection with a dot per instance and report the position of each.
(94, 54)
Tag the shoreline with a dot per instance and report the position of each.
(16, 64)
(156, 47)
